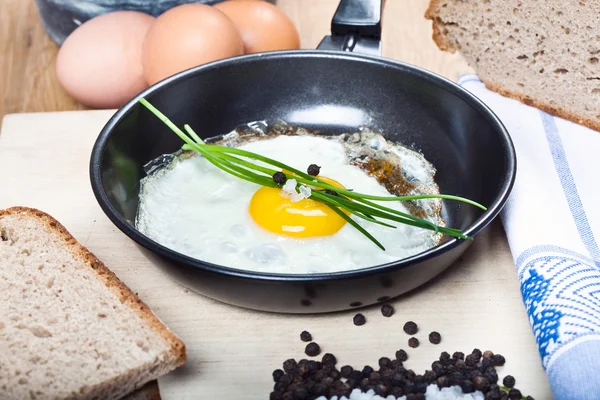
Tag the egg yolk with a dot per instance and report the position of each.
(304, 218)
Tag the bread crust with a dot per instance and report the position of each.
(541, 105)
(112, 282)
(432, 13)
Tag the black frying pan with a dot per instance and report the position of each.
(333, 90)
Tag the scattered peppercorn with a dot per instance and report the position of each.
(313, 169)
(413, 342)
(387, 310)
(312, 349)
(509, 381)
(487, 354)
(435, 337)
(359, 320)
(305, 336)
(401, 355)
(279, 178)
(411, 328)
(331, 192)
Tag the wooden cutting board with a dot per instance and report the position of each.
(232, 351)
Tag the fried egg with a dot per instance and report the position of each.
(196, 209)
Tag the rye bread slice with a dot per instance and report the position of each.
(543, 53)
(69, 328)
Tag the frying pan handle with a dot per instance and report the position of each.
(356, 26)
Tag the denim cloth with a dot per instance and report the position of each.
(552, 221)
(61, 17)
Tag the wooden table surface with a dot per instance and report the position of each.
(481, 287)
(28, 82)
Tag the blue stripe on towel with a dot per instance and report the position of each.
(569, 187)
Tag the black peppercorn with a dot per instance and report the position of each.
(335, 374)
(356, 375)
(429, 377)
(467, 386)
(385, 362)
(487, 354)
(279, 178)
(458, 355)
(346, 371)
(486, 362)
(276, 396)
(331, 192)
(481, 383)
(367, 370)
(514, 394)
(435, 338)
(477, 354)
(471, 360)
(289, 366)
(364, 383)
(313, 169)
(509, 381)
(374, 378)
(444, 357)
(437, 367)
(413, 342)
(329, 359)
(443, 381)
(410, 328)
(318, 389)
(312, 349)
(305, 336)
(300, 394)
(498, 360)
(396, 392)
(387, 310)
(277, 374)
(401, 355)
(491, 375)
(302, 369)
(381, 389)
(359, 320)
(529, 398)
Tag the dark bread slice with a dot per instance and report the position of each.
(69, 328)
(543, 53)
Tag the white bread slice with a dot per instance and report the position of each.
(543, 53)
(69, 328)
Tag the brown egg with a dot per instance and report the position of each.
(263, 26)
(187, 36)
(100, 63)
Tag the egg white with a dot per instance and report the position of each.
(198, 210)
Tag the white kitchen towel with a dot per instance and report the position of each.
(552, 221)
